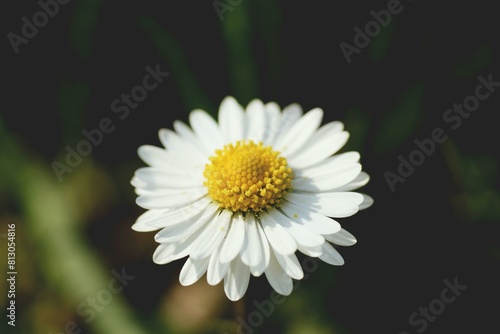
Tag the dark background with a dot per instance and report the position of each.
(442, 222)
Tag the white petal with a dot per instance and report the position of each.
(142, 222)
(138, 184)
(155, 156)
(358, 182)
(164, 253)
(175, 144)
(320, 147)
(216, 269)
(193, 270)
(160, 159)
(212, 236)
(170, 140)
(313, 221)
(302, 236)
(331, 256)
(231, 120)
(256, 121)
(266, 251)
(290, 265)
(367, 202)
(206, 129)
(234, 239)
(161, 200)
(174, 233)
(327, 182)
(187, 134)
(322, 150)
(177, 216)
(310, 251)
(169, 252)
(300, 132)
(252, 251)
(236, 280)
(273, 119)
(141, 191)
(332, 204)
(279, 123)
(342, 238)
(279, 239)
(278, 279)
(329, 166)
(335, 126)
(158, 178)
(151, 188)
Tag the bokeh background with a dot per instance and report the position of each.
(441, 223)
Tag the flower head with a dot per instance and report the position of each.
(241, 196)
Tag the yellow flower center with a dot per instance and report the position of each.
(247, 176)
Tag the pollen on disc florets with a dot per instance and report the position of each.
(247, 176)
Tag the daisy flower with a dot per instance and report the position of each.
(242, 196)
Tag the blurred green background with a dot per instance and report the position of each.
(74, 236)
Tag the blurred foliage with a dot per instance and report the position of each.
(269, 21)
(475, 176)
(70, 235)
(73, 100)
(401, 122)
(66, 261)
(380, 44)
(84, 25)
(357, 123)
(192, 95)
(236, 29)
(469, 68)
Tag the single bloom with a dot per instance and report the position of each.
(241, 196)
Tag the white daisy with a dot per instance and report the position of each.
(239, 198)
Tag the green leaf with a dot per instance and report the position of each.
(356, 123)
(84, 26)
(269, 22)
(192, 95)
(471, 66)
(73, 98)
(379, 46)
(241, 65)
(401, 122)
